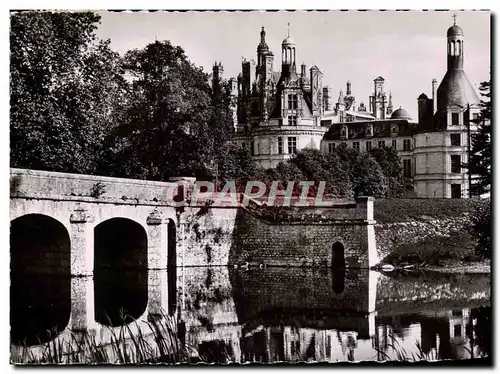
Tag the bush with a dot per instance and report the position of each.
(480, 228)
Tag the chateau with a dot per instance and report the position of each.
(277, 113)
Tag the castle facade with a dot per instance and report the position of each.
(277, 113)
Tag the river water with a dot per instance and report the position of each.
(280, 314)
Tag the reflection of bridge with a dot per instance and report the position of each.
(79, 226)
(285, 314)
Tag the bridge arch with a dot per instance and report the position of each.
(120, 271)
(40, 291)
(172, 266)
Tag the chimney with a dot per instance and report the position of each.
(434, 96)
(303, 70)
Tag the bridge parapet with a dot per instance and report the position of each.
(65, 186)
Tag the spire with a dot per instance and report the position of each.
(288, 29)
(348, 91)
(341, 97)
(454, 19)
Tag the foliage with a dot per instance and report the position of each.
(236, 164)
(65, 90)
(165, 131)
(390, 163)
(480, 154)
(407, 210)
(315, 166)
(481, 228)
(366, 175)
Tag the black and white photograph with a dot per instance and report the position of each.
(250, 187)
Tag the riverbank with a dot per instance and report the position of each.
(461, 267)
(428, 234)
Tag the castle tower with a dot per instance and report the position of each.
(288, 55)
(389, 105)
(455, 88)
(316, 91)
(378, 100)
(262, 49)
(217, 74)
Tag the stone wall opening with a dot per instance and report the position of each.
(172, 267)
(40, 289)
(338, 256)
(120, 271)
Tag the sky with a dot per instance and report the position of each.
(407, 48)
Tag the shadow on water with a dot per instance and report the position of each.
(120, 296)
(40, 290)
(120, 271)
(40, 308)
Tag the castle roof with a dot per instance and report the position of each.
(400, 114)
(455, 90)
(381, 129)
(455, 30)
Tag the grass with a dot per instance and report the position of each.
(405, 210)
(161, 345)
(435, 250)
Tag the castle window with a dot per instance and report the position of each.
(292, 144)
(244, 145)
(406, 145)
(456, 191)
(355, 145)
(395, 130)
(454, 119)
(343, 132)
(292, 120)
(331, 147)
(407, 168)
(456, 166)
(394, 144)
(381, 144)
(293, 102)
(368, 146)
(252, 151)
(280, 145)
(455, 139)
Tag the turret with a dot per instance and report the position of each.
(455, 42)
(288, 55)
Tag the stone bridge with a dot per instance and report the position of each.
(82, 226)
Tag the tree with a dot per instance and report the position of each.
(66, 88)
(366, 175)
(480, 154)
(481, 229)
(316, 166)
(480, 165)
(390, 164)
(166, 131)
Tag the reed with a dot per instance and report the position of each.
(157, 342)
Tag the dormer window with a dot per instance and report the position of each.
(369, 130)
(344, 132)
(394, 130)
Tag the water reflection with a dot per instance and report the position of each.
(40, 307)
(273, 315)
(120, 296)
